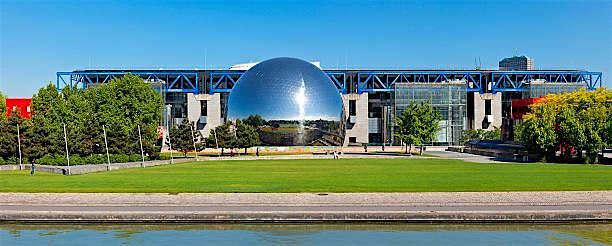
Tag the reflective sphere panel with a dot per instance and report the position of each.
(298, 102)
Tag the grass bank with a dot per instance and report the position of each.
(316, 175)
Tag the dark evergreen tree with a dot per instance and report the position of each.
(8, 138)
(181, 137)
(221, 137)
(246, 135)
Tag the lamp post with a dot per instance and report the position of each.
(169, 111)
(194, 144)
(66, 142)
(19, 146)
(108, 168)
(141, 149)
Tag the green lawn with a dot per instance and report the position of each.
(344, 175)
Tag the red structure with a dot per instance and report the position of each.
(21, 104)
(520, 107)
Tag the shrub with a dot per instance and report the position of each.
(12, 160)
(76, 160)
(53, 160)
(119, 158)
(95, 159)
(135, 158)
(2, 161)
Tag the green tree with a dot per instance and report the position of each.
(2, 106)
(570, 132)
(537, 132)
(5, 138)
(255, 120)
(45, 134)
(8, 140)
(406, 126)
(593, 120)
(246, 135)
(418, 125)
(122, 105)
(578, 120)
(222, 136)
(181, 137)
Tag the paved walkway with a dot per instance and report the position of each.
(464, 156)
(305, 207)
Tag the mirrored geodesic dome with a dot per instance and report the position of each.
(298, 102)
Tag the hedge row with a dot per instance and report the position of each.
(9, 161)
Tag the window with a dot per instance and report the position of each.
(352, 139)
(352, 107)
(203, 108)
(487, 107)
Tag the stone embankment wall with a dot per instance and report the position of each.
(81, 169)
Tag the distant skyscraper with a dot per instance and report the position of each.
(516, 63)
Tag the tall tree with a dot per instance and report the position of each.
(576, 120)
(182, 138)
(570, 132)
(246, 135)
(8, 137)
(418, 125)
(2, 106)
(122, 105)
(537, 132)
(5, 138)
(222, 136)
(407, 123)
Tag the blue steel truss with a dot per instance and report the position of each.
(224, 81)
(187, 81)
(385, 81)
(182, 81)
(519, 80)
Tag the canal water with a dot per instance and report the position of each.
(310, 234)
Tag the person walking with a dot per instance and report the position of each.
(257, 152)
(32, 168)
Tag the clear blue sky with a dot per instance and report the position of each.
(39, 38)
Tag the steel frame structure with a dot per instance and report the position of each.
(385, 81)
(222, 81)
(519, 80)
(180, 81)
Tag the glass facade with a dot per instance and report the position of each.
(175, 109)
(449, 99)
(540, 89)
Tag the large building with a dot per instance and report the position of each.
(466, 99)
(516, 63)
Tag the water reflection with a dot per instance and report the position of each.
(286, 234)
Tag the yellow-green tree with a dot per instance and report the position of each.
(578, 120)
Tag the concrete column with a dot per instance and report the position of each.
(214, 113)
(193, 107)
(213, 110)
(479, 111)
(359, 129)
